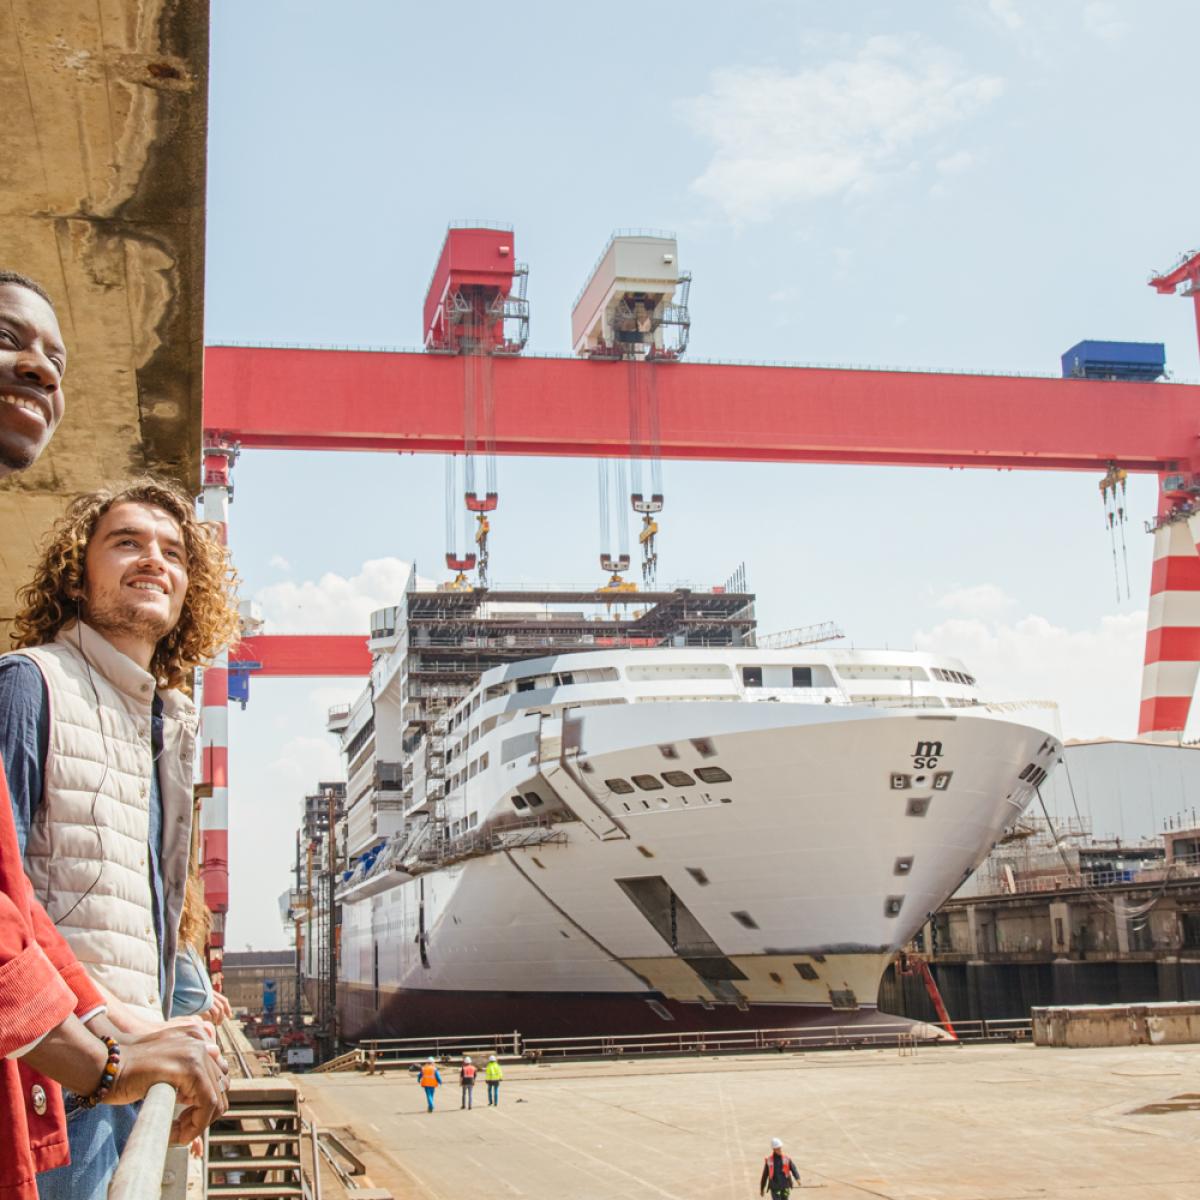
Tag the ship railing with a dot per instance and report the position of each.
(402, 1051)
(141, 1172)
(405, 1051)
(1180, 867)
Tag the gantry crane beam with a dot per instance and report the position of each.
(270, 398)
(300, 655)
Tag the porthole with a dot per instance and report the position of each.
(679, 779)
(648, 783)
(918, 806)
(941, 781)
(713, 774)
(620, 787)
(726, 799)
(892, 906)
(903, 865)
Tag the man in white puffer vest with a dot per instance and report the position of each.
(131, 593)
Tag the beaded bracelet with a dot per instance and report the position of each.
(108, 1076)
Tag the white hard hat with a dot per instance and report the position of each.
(491, 1058)
(429, 1059)
(466, 1058)
(776, 1144)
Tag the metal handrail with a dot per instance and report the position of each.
(139, 1173)
(397, 1051)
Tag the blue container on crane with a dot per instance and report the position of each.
(1134, 361)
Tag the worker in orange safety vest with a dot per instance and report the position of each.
(466, 1076)
(430, 1080)
(778, 1172)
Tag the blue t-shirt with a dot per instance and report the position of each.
(24, 744)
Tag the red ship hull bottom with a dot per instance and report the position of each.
(365, 1013)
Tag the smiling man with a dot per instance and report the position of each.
(32, 362)
(132, 593)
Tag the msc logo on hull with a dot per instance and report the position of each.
(926, 755)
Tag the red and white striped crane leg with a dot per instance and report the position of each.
(214, 733)
(1172, 659)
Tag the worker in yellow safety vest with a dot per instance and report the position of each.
(430, 1080)
(493, 1074)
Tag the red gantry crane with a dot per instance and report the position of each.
(437, 401)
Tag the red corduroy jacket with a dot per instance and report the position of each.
(41, 984)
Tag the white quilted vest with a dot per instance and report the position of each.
(88, 850)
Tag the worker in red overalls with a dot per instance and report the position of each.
(466, 1076)
(778, 1172)
(430, 1080)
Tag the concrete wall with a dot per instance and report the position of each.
(1117, 1025)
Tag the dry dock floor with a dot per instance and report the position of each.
(995, 1122)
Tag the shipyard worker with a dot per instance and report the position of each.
(52, 1016)
(130, 594)
(492, 1075)
(430, 1080)
(779, 1172)
(466, 1077)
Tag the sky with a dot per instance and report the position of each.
(961, 184)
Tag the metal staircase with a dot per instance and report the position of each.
(254, 1149)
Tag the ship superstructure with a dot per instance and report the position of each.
(568, 814)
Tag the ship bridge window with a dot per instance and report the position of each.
(519, 802)
(714, 774)
(526, 685)
(802, 677)
(881, 671)
(534, 800)
(620, 787)
(679, 779)
(805, 970)
(648, 783)
(752, 677)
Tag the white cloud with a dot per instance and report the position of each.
(1093, 674)
(842, 128)
(333, 603)
(1005, 11)
(1101, 19)
(982, 600)
(279, 562)
(956, 163)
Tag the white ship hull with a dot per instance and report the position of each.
(774, 899)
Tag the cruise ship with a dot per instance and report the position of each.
(643, 830)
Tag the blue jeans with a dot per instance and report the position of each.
(429, 1097)
(96, 1136)
(493, 1091)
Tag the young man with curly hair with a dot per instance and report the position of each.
(52, 1017)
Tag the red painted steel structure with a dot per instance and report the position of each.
(350, 400)
(346, 400)
(1183, 280)
(296, 655)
